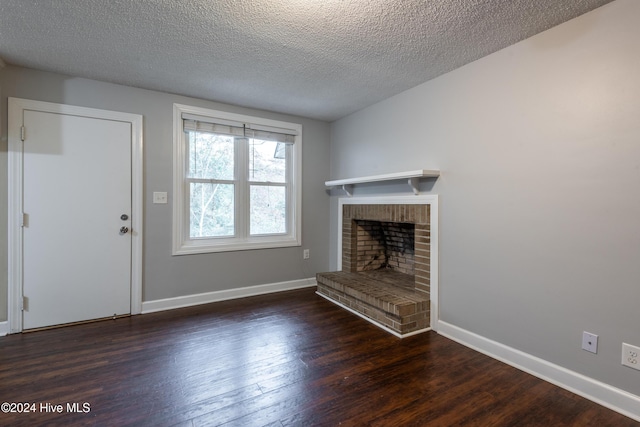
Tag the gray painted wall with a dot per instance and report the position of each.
(539, 148)
(166, 276)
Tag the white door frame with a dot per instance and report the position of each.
(15, 202)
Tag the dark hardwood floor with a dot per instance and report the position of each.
(286, 359)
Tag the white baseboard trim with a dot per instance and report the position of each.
(370, 320)
(4, 328)
(608, 396)
(207, 297)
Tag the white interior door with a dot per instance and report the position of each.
(76, 194)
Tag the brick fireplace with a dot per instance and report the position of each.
(386, 265)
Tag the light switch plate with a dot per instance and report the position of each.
(159, 197)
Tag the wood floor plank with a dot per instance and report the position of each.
(286, 359)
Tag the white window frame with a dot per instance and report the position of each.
(183, 244)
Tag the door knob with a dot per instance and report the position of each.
(124, 230)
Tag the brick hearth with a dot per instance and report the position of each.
(384, 296)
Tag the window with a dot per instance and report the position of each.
(236, 182)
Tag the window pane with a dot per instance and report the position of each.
(267, 161)
(268, 212)
(210, 156)
(212, 210)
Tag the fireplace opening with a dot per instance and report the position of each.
(385, 245)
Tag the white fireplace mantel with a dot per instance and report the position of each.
(412, 178)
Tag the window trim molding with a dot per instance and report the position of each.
(181, 243)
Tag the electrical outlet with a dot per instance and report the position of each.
(305, 254)
(631, 356)
(590, 342)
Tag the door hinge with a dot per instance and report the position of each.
(24, 305)
(23, 219)
(22, 133)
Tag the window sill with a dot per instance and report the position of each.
(205, 246)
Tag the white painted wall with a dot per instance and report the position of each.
(166, 276)
(539, 148)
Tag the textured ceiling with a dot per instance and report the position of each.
(315, 58)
